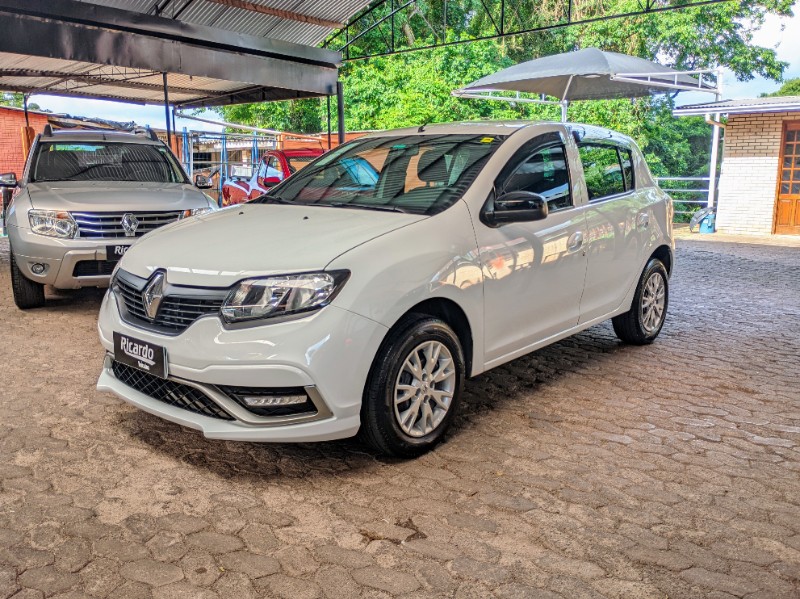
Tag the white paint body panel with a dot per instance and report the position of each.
(519, 285)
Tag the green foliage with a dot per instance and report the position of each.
(16, 100)
(415, 87)
(790, 87)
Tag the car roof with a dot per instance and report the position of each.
(301, 152)
(579, 130)
(89, 136)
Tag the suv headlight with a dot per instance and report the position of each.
(52, 223)
(196, 212)
(283, 295)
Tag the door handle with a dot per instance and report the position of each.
(575, 241)
(643, 221)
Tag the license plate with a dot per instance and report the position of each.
(143, 355)
(115, 252)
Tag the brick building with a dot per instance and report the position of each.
(759, 185)
(12, 124)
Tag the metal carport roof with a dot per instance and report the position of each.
(213, 52)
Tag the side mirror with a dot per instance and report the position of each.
(271, 181)
(203, 182)
(8, 180)
(515, 207)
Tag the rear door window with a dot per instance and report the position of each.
(607, 170)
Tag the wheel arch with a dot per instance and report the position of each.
(663, 253)
(451, 313)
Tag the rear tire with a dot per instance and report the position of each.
(27, 294)
(642, 323)
(414, 388)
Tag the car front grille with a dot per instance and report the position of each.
(175, 313)
(93, 268)
(168, 392)
(108, 225)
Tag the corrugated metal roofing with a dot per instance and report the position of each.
(742, 106)
(46, 72)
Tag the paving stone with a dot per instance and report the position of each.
(252, 564)
(151, 572)
(48, 580)
(465, 567)
(183, 590)
(384, 579)
(674, 466)
(349, 558)
(215, 542)
(288, 587)
(718, 582)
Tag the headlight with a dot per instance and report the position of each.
(196, 212)
(52, 223)
(281, 296)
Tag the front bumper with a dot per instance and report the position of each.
(329, 354)
(59, 257)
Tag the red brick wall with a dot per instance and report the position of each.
(11, 124)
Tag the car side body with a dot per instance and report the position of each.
(495, 286)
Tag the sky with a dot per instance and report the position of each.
(783, 34)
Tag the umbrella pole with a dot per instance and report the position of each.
(565, 101)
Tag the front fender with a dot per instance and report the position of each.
(436, 257)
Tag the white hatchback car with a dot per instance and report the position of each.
(359, 294)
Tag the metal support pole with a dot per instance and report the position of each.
(564, 107)
(712, 168)
(329, 122)
(340, 109)
(166, 109)
(25, 108)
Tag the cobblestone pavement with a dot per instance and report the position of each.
(589, 469)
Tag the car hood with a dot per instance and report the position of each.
(102, 196)
(221, 248)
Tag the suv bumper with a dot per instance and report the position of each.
(59, 257)
(329, 354)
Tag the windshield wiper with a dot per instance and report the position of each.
(273, 199)
(379, 207)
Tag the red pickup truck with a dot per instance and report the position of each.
(275, 166)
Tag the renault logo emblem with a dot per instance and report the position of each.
(129, 223)
(153, 294)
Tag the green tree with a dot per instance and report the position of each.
(790, 87)
(17, 100)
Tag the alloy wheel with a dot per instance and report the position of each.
(654, 299)
(424, 388)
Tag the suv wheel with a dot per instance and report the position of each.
(642, 323)
(414, 388)
(27, 294)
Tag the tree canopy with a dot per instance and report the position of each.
(790, 87)
(414, 87)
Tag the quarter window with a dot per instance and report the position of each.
(546, 174)
(607, 170)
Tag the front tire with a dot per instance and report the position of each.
(27, 294)
(414, 388)
(642, 323)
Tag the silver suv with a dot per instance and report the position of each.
(83, 199)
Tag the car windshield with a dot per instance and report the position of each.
(105, 161)
(420, 174)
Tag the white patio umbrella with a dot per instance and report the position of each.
(588, 74)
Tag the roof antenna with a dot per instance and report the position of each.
(422, 128)
(47, 131)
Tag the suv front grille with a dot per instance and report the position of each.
(93, 268)
(169, 392)
(108, 225)
(175, 313)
